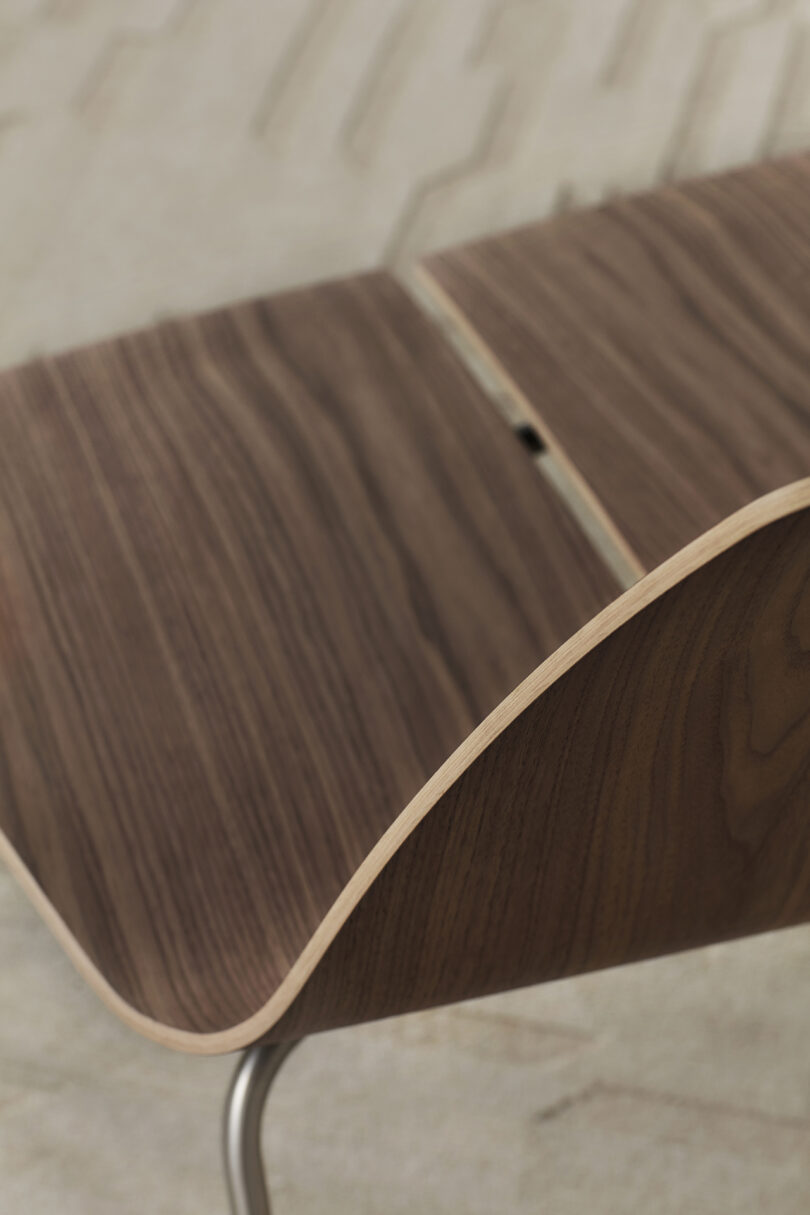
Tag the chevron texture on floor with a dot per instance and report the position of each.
(170, 155)
(167, 155)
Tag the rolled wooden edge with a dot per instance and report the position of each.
(725, 535)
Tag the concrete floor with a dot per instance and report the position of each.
(173, 154)
(681, 1084)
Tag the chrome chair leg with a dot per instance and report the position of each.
(244, 1106)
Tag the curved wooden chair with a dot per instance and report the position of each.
(321, 703)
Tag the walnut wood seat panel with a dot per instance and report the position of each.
(643, 790)
(261, 573)
(662, 341)
(654, 796)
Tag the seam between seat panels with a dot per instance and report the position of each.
(518, 411)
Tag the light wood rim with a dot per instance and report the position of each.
(725, 535)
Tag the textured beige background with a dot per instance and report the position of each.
(163, 155)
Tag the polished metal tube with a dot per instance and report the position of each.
(244, 1106)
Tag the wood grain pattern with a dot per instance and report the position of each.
(260, 574)
(315, 702)
(654, 798)
(662, 341)
(269, 1019)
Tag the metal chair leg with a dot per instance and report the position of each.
(244, 1106)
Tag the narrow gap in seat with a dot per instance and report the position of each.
(517, 411)
(531, 438)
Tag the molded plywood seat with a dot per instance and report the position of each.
(262, 573)
(318, 704)
(661, 342)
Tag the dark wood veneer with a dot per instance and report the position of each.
(261, 572)
(653, 799)
(662, 341)
(316, 704)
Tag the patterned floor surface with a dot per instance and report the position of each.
(165, 155)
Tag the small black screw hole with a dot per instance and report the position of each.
(530, 438)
